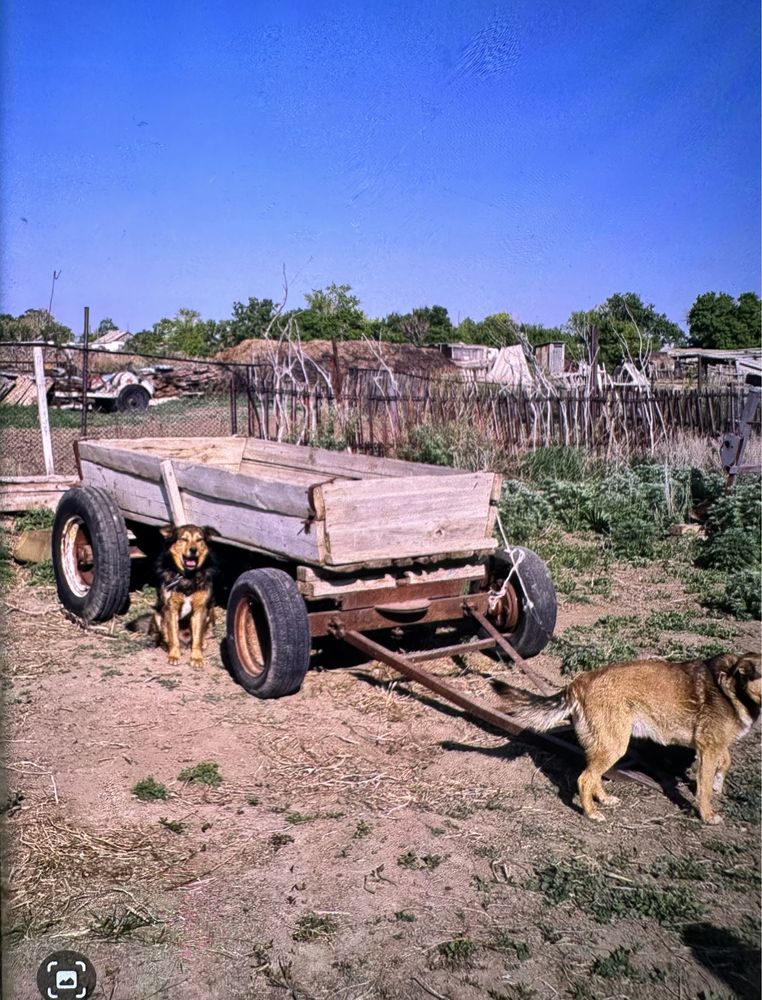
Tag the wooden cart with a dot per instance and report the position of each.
(342, 545)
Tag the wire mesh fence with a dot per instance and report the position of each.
(374, 411)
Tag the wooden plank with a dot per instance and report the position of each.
(494, 501)
(262, 494)
(30, 492)
(221, 452)
(313, 585)
(172, 490)
(333, 463)
(203, 479)
(145, 501)
(282, 474)
(42, 410)
(370, 519)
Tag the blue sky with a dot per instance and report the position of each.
(533, 157)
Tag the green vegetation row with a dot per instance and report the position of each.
(625, 326)
(625, 511)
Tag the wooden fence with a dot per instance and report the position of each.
(376, 413)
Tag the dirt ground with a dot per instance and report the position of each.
(366, 840)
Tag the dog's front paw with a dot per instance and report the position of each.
(197, 661)
(174, 659)
(611, 800)
(596, 817)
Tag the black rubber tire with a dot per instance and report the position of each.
(133, 397)
(268, 633)
(87, 515)
(536, 598)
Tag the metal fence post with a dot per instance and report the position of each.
(233, 403)
(85, 371)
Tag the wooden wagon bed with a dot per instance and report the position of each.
(321, 508)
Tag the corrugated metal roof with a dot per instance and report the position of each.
(110, 338)
(709, 354)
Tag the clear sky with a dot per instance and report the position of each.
(532, 157)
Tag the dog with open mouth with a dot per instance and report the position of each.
(184, 590)
(703, 704)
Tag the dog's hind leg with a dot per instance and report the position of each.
(722, 769)
(710, 764)
(601, 755)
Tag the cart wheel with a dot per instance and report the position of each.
(132, 397)
(91, 557)
(526, 612)
(268, 634)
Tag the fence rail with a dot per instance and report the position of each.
(366, 410)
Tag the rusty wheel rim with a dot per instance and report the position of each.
(77, 561)
(505, 613)
(247, 639)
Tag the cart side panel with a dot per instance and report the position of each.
(221, 452)
(338, 464)
(369, 520)
(204, 480)
(145, 500)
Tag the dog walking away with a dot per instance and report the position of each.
(704, 704)
(184, 590)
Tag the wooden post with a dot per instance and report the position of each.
(174, 500)
(42, 409)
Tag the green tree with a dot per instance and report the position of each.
(720, 322)
(424, 325)
(34, 324)
(250, 321)
(332, 313)
(627, 329)
(186, 333)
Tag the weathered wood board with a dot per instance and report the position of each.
(316, 507)
(29, 492)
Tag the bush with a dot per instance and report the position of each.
(428, 444)
(557, 463)
(742, 597)
(524, 512)
(734, 529)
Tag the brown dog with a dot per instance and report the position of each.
(705, 704)
(184, 590)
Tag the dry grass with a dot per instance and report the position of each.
(52, 863)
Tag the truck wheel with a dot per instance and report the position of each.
(91, 557)
(132, 397)
(526, 611)
(268, 634)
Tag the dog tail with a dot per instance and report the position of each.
(533, 711)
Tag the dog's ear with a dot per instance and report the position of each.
(748, 667)
(168, 531)
(210, 533)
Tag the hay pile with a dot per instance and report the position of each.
(400, 358)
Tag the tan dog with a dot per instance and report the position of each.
(184, 590)
(704, 704)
